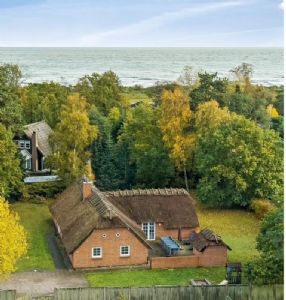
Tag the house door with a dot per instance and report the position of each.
(149, 230)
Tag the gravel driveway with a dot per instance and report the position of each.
(43, 283)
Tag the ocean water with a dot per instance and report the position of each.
(143, 66)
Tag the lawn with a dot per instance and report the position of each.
(141, 278)
(36, 219)
(135, 96)
(238, 228)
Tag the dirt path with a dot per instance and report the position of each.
(43, 283)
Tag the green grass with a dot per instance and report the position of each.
(238, 228)
(140, 278)
(135, 96)
(36, 219)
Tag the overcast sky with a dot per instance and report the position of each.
(142, 23)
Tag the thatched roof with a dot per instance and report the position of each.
(77, 218)
(43, 131)
(173, 207)
(206, 238)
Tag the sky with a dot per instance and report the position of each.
(141, 23)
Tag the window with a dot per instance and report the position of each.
(28, 165)
(21, 144)
(96, 252)
(149, 230)
(124, 250)
(27, 144)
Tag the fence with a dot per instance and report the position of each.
(234, 292)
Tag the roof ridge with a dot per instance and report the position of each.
(147, 192)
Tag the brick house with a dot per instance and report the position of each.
(120, 228)
(34, 145)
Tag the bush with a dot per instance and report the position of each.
(39, 192)
(261, 207)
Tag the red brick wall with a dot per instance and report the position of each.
(81, 258)
(162, 231)
(173, 262)
(214, 256)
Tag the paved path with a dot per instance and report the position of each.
(43, 283)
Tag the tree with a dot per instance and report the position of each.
(209, 116)
(13, 242)
(175, 126)
(43, 101)
(71, 138)
(210, 87)
(243, 74)
(10, 171)
(251, 105)
(268, 268)
(104, 157)
(103, 91)
(239, 161)
(10, 108)
(147, 150)
(187, 78)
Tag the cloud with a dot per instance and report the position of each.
(282, 5)
(158, 21)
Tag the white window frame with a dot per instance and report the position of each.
(125, 254)
(96, 256)
(27, 144)
(21, 144)
(28, 163)
(148, 230)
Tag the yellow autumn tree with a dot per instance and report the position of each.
(272, 111)
(13, 242)
(71, 139)
(209, 116)
(175, 123)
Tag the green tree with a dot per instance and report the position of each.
(268, 268)
(209, 87)
(10, 171)
(148, 152)
(70, 140)
(43, 101)
(101, 90)
(239, 161)
(104, 152)
(10, 108)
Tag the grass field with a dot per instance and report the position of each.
(135, 96)
(37, 221)
(139, 278)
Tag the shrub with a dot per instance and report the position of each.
(38, 192)
(261, 207)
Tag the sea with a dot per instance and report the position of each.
(142, 66)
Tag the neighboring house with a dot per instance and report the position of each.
(34, 145)
(110, 229)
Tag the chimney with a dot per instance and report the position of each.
(86, 189)
(34, 151)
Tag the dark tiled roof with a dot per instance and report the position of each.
(43, 131)
(173, 207)
(206, 238)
